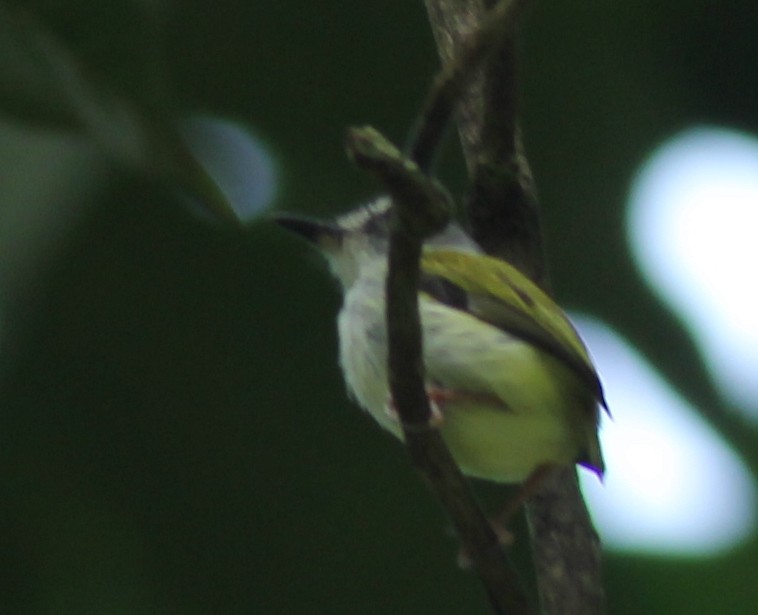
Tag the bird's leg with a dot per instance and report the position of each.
(500, 522)
(527, 489)
(442, 396)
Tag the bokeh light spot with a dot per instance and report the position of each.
(693, 215)
(237, 161)
(672, 486)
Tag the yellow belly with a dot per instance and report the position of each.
(502, 445)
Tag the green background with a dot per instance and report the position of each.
(174, 432)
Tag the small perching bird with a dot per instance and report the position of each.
(511, 383)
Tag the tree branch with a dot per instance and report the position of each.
(502, 205)
(457, 74)
(504, 216)
(421, 209)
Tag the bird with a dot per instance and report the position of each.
(512, 386)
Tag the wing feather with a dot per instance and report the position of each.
(501, 295)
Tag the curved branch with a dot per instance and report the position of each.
(421, 208)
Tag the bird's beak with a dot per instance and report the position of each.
(320, 233)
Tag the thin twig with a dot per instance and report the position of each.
(422, 208)
(501, 205)
(455, 76)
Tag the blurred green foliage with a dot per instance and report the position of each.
(174, 434)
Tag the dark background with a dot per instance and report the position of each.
(174, 433)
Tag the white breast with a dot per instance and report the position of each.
(363, 348)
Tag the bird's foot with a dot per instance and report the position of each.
(436, 418)
(442, 396)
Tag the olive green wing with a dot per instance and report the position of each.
(501, 295)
